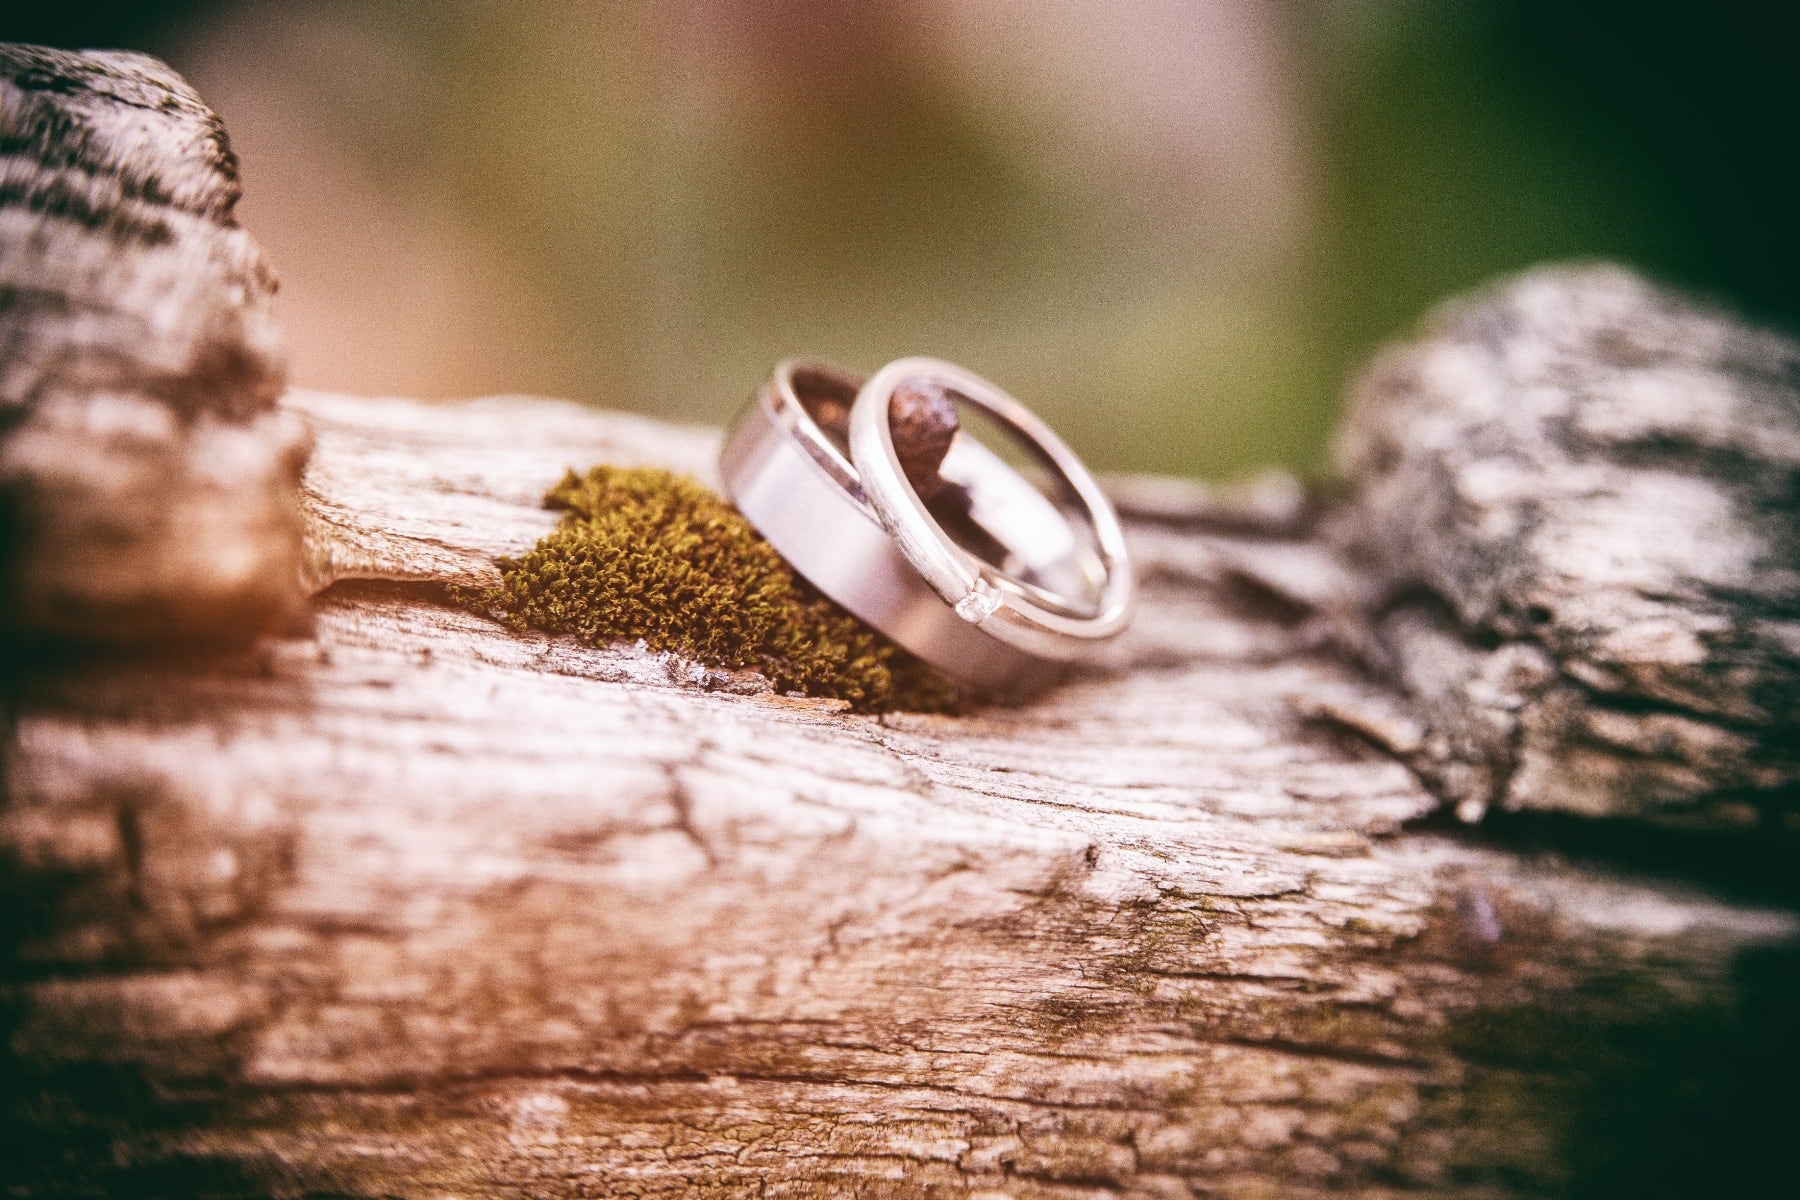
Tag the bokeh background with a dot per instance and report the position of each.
(1173, 226)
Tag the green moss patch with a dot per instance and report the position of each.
(641, 552)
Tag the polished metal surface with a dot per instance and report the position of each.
(796, 485)
(1046, 623)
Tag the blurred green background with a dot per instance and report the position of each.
(1173, 226)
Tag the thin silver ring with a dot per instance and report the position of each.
(985, 597)
(799, 488)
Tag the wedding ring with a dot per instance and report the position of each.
(787, 467)
(1042, 622)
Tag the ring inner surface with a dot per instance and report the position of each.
(985, 505)
(1053, 552)
(826, 396)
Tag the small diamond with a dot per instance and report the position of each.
(979, 604)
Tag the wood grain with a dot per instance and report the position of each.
(415, 905)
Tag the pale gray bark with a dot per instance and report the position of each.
(1581, 498)
(406, 903)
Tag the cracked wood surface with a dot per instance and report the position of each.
(414, 905)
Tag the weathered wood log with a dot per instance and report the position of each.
(410, 904)
(147, 481)
(415, 905)
(1580, 496)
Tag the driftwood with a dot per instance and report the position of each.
(1580, 496)
(409, 904)
(146, 478)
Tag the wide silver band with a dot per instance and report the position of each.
(796, 484)
(1054, 623)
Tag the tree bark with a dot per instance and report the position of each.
(407, 903)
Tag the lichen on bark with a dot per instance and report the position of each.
(644, 553)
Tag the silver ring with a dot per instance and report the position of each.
(794, 480)
(1047, 625)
